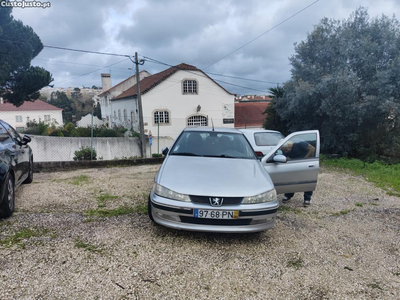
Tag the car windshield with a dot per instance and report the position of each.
(213, 144)
(267, 138)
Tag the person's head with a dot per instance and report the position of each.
(287, 147)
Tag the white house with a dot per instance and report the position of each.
(86, 121)
(179, 97)
(37, 110)
(107, 109)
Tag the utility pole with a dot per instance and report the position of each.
(139, 99)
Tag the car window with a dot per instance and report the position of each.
(267, 138)
(213, 144)
(13, 133)
(300, 147)
(5, 137)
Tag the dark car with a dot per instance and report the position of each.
(16, 166)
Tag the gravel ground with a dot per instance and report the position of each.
(346, 245)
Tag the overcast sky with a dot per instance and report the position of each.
(196, 32)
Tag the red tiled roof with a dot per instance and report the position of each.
(29, 106)
(146, 84)
(250, 114)
(253, 98)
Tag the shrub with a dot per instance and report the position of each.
(84, 154)
(157, 155)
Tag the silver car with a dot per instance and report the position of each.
(211, 180)
(262, 140)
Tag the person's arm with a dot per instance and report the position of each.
(311, 150)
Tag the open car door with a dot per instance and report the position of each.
(294, 163)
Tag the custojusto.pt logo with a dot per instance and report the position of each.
(25, 4)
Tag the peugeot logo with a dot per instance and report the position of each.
(216, 201)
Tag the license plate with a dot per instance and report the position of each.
(216, 214)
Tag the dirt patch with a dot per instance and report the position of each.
(345, 245)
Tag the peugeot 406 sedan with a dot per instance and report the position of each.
(212, 181)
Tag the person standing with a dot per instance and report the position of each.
(298, 150)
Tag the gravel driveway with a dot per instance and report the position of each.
(85, 235)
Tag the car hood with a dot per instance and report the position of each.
(209, 176)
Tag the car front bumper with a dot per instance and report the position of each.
(180, 215)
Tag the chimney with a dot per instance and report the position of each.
(105, 81)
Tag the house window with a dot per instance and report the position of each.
(189, 87)
(47, 118)
(197, 121)
(161, 117)
(125, 115)
(27, 119)
(119, 114)
(18, 118)
(132, 117)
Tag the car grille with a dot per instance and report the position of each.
(206, 200)
(237, 222)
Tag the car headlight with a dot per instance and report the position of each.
(261, 198)
(167, 193)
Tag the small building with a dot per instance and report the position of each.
(38, 111)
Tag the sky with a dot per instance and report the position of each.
(196, 32)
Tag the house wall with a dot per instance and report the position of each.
(215, 103)
(106, 104)
(86, 121)
(37, 115)
(52, 148)
(130, 105)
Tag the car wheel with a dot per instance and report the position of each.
(30, 175)
(8, 204)
(149, 209)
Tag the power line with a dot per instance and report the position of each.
(72, 63)
(86, 51)
(165, 64)
(241, 78)
(70, 49)
(91, 71)
(261, 34)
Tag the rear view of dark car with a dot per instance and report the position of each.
(16, 166)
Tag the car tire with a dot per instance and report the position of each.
(149, 211)
(30, 175)
(8, 204)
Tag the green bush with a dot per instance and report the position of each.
(84, 154)
(35, 128)
(107, 132)
(156, 155)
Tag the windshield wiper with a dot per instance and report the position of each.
(222, 155)
(184, 153)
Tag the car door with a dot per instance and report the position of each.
(18, 152)
(298, 174)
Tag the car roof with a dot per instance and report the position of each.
(257, 130)
(210, 129)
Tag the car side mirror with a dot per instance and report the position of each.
(280, 158)
(26, 139)
(165, 150)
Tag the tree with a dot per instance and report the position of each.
(19, 81)
(346, 83)
(61, 100)
(272, 120)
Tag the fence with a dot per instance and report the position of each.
(52, 148)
